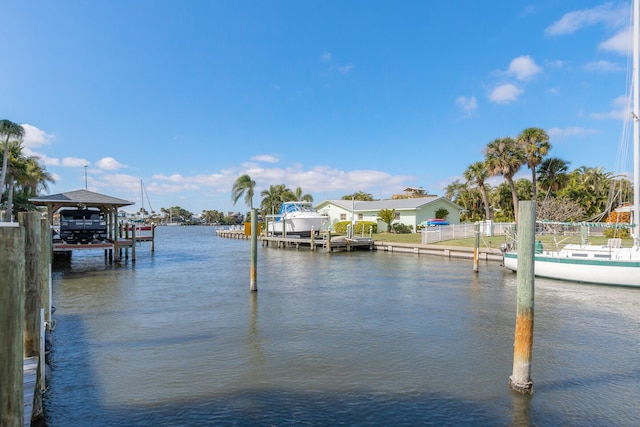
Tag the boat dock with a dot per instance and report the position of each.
(30, 370)
(343, 243)
(130, 236)
(326, 241)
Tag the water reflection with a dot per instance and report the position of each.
(359, 338)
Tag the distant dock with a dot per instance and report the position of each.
(343, 243)
(326, 242)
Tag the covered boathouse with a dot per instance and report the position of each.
(83, 199)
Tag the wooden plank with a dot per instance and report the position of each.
(30, 369)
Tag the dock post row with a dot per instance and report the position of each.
(25, 256)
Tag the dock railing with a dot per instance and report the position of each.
(439, 233)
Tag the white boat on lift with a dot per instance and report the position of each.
(296, 219)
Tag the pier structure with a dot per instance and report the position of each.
(119, 236)
(322, 241)
(340, 243)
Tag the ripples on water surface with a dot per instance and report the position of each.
(360, 338)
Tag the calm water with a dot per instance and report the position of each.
(359, 338)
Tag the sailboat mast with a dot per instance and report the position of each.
(636, 125)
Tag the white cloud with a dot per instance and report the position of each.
(619, 43)
(523, 68)
(570, 131)
(603, 14)
(468, 105)
(621, 109)
(602, 66)
(326, 56)
(343, 69)
(34, 137)
(109, 163)
(505, 93)
(74, 162)
(268, 158)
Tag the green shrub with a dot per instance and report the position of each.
(341, 227)
(402, 228)
(621, 233)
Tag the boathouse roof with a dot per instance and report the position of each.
(80, 199)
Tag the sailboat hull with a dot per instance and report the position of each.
(617, 272)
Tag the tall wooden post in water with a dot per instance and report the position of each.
(476, 247)
(12, 321)
(520, 379)
(254, 251)
(33, 282)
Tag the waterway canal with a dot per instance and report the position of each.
(360, 338)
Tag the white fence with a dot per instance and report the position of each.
(460, 231)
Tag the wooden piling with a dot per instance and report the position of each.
(153, 237)
(520, 379)
(329, 240)
(33, 286)
(476, 247)
(133, 243)
(46, 251)
(254, 251)
(12, 321)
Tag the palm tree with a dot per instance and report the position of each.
(387, 216)
(299, 197)
(552, 174)
(273, 197)
(9, 131)
(244, 185)
(534, 143)
(503, 157)
(477, 174)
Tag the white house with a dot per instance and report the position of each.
(410, 212)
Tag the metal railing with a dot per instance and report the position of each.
(439, 233)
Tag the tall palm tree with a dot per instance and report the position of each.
(9, 131)
(504, 157)
(244, 186)
(535, 144)
(299, 197)
(273, 198)
(552, 174)
(476, 174)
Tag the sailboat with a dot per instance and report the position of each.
(608, 264)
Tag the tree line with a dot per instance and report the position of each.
(583, 194)
(22, 177)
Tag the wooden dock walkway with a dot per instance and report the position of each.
(340, 243)
(30, 369)
(332, 244)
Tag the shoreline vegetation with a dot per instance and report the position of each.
(494, 242)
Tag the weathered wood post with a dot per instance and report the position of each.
(12, 321)
(329, 240)
(153, 237)
(312, 242)
(45, 270)
(520, 379)
(33, 344)
(254, 251)
(133, 243)
(33, 281)
(476, 247)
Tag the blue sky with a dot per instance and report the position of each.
(332, 96)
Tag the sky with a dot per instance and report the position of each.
(183, 97)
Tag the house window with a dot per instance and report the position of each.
(343, 217)
(360, 217)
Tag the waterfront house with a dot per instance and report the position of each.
(409, 211)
